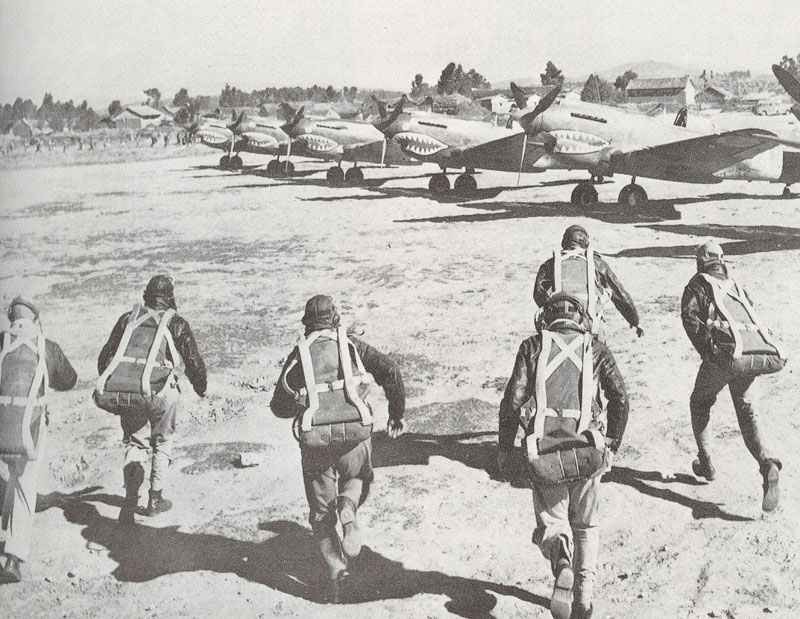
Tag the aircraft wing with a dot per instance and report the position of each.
(503, 154)
(696, 159)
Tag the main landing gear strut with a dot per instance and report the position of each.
(465, 183)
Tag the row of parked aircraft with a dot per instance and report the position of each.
(545, 133)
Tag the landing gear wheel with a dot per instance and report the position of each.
(439, 183)
(335, 176)
(287, 169)
(354, 176)
(584, 195)
(236, 162)
(465, 184)
(272, 167)
(786, 193)
(632, 196)
(224, 162)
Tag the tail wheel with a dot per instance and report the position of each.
(584, 195)
(224, 161)
(335, 176)
(465, 184)
(354, 176)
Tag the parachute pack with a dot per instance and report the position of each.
(746, 347)
(334, 401)
(574, 274)
(23, 384)
(560, 446)
(140, 367)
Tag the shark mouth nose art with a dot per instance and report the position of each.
(419, 144)
(318, 144)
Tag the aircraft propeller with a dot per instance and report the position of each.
(544, 140)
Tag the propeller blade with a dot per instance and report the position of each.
(522, 158)
(384, 124)
(520, 98)
(789, 82)
(544, 103)
(381, 106)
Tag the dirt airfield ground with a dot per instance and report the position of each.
(444, 286)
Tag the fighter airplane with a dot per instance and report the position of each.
(340, 140)
(606, 140)
(216, 133)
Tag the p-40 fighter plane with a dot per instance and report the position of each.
(216, 133)
(340, 140)
(606, 140)
(456, 143)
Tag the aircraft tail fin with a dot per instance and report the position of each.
(681, 117)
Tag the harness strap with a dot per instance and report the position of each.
(347, 372)
(162, 332)
(308, 378)
(593, 308)
(120, 352)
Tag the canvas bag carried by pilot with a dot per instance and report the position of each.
(23, 384)
(334, 401)
(561, 447)
(142, 366)
(745, 346)
(574, 274)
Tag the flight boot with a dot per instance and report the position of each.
(330, 550)
(579, 611)
(351, 535)
(702, 467)
(157, 504)
(587, 551)
(133, 474)
(769, 473)
(10, 572)
(561, 599)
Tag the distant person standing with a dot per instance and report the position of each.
(29, 364)
(720, 320)
(580, 271)
(139, 382)
(554, 394)
(325, 385)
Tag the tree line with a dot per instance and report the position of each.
(58, 115)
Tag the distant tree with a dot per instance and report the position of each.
(330, 93)
(153, 97)
(445, 84)
(453, 79)
(114, 108)
(181, 98)
(622, 81)
(552, 75)
(597, 90)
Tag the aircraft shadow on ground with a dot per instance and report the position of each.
(609, 212)
(700, 509)
(451, 197)
(747, 240)
(287, 562)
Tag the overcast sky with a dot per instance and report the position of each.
(104, 50)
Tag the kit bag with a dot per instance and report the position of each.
(559, 444)
(23, 384)
(334, 401)
(574, 274)
(140, 369)
(745, 346)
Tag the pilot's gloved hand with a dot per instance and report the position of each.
(395, 427)
(639, 331)
(504, 463)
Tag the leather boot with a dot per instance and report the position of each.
(769, 473)
(561, 599)
(587, 549)
(10, 572)
(157, 504)
(351, 536)
(336, 568)
(579, 611)
(133, 474)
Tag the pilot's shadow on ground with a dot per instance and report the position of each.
(287, 562)
(700, 509)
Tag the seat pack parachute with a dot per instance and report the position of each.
(334, 401)
(23, 383)
(747, 347)
(574, 274)
(560, 445)
(142, 364)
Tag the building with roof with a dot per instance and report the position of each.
(714, 97)
(673, 92)
(137, 117)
